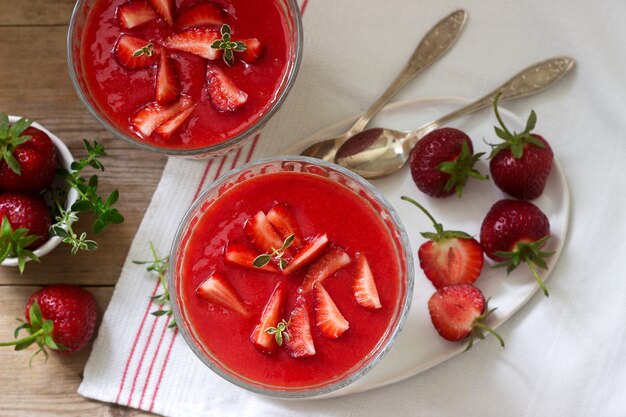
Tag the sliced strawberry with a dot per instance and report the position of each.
(308, 253)
(261, 233)
(133, 52)
(329, 319)
(165, 9)
(459, 311)
(254, 50)
(272, 313)
(167, 129)
(364, 286)
(332, 261)
(282, 218)
(239, 254)
(451, 261)
(218, 290)
(167, 85)
(134, 13)
(225, 95)
(201, 14)
(153, 115)
(196, 41)
(300, 341)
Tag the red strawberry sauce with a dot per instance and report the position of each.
(119, 92)
(320, 206)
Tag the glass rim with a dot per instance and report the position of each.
(379, 351)
(290, 78)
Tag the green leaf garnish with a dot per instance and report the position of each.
(13, 243)
(228, 46)
(147, 50)
(10, 138)
(280, 332)
(461, 169)
(277, 253)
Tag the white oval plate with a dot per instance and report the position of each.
(419, 347)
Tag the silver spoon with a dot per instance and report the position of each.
(378, 152)
(434, 44)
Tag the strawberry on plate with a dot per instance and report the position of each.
(165, 9)
(442, 162)
(300, 344)
(515, 231)
(133, 52)
(521, 164)
(25, 222)
(328, 318)
(201, 14)
(225, 95)
(29, 158)
(449, 256)
(151, 116)
(309, 252)
(253, 52)
(167, 84)
(458, 312)
(262, 234)
(196, 41)
(264, 337)
(239, 254)
(134, 13)
(218, 290)
(59, 317)
(284, 221)
(333, 260)
(364, 285)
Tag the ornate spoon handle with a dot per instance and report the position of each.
(434, 44)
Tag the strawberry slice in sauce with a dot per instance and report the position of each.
(364, 286)
(332, 261)
(239, 254)
(270, 318)
(218, 290)
(134, 13)
(201, 14)
(300, 344)
(328, 318)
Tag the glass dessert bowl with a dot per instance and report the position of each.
(290, 277)
(194, 79)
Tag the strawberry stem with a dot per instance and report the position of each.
(492, 331)
(27, 339)
(536, 275)
(438, 226)
(497, 113)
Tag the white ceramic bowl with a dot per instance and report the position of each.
(65, 159)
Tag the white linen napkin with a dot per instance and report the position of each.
(564, 355)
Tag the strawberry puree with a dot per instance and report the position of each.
(120, 92)
(320, 206)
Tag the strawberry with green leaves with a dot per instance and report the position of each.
(449, 256)
(521, 164)
(59, 317)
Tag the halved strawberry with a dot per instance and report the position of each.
(167, 85)
(239, 254)
(458, 312)
(254, 50)
(201, 14)
(272, 312)
(133, 52)
(134, 13)
(261, 233)
(196, 41)
(308, 253)
(218, 290)
(224, 94)
(167, 129)
(153, 115)
(328, 318)
(299, 344)
(449, 256)
(165, 8)
(282, 218)
(364, 285)
(332, 261)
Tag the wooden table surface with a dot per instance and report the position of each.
(34, 82)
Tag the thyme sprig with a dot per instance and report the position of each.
(262, 260)
(280, 332)
(228, 46)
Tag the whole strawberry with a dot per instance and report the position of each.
(515, 231)
(442, 161)
(459, 312)
(59, 317)
(25, 222)
(449, 256)
(28, 155)
(520, 165)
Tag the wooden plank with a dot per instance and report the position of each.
(48, 388)
(35, 12)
